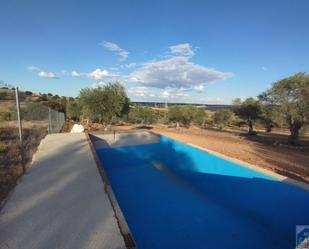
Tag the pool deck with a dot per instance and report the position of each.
(60, 202)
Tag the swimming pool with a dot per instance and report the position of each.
(176, 196)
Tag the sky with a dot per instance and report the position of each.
(165, 50)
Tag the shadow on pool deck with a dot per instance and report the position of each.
(261, 212)
(57, 203)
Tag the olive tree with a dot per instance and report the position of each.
(291, 98)
(199, 116)
(186, 115)
(249, 110)
(222, 117)
(177, 115)
(270, 116)
(142, 115)
(73, 109)
(105, 104)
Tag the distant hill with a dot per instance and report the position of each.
(7, 100)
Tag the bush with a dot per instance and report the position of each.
(2, 95)
(28, 93)
(73, 109)
(8, 116)
(55, 105)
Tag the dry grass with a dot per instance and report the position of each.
(10, 167)
(34, 131)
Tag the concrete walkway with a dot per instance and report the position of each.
(60, 202)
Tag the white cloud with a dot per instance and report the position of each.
(176, 72)
(138, 91)
(43, 74)
(130, 65)
(184, 49)
(166, 94)
(264, 68)
(33, 68)
(199, 88)
(100, 74)
(49, 75)
(181, 94)
(76, 74)
(142, 92)
(123, 54)
(113, 68)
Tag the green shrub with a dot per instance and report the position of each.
(2, 95)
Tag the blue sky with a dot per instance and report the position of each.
(183, 51)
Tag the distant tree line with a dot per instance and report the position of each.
(55, 102)
(285, 104)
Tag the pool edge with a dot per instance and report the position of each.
(122, 223)
(242, 163)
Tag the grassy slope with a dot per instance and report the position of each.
(10, 167)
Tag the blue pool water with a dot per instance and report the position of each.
(176, 196)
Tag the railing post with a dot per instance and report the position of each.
(20, 128)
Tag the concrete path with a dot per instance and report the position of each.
(60, 202)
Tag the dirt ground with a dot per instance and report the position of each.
(263, 150)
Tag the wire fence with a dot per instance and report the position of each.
(24, 122)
